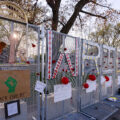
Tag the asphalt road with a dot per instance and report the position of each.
(115, 116)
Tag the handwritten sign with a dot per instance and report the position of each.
(40, 86)
(102, 80)
(92, 86)
(12, 109)
(62, 92)
(109, 83)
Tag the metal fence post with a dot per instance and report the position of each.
(100, 71)
(80, 72)
(38, 70)
(114, 73)
(46, 71)
(42, 77)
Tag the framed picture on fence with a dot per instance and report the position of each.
(12, 108)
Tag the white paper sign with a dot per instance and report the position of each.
(92, 86)
(12, 109)
(102, 80)
(118, 80)
(62, 92)
(40, 86)
(109, 83)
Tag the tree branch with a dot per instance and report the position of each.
(61, 23)
(102, 5)
(78, 8)
(55, 5)
(91, 14)
(44, 21)
(51, 3)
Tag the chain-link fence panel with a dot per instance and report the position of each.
(62, 69)
(90, 73)
(19, 51)
(108, 72)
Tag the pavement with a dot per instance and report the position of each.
(115, 116)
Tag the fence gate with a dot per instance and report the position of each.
(61, 67)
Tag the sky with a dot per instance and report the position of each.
(115, 4)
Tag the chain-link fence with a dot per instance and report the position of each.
(88, 66)
(21, 51)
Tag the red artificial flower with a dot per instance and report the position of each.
(65, 49)
(38, 74)
(33, 45)
(53, 61)
(92, 77)
(27, 62)
(73, 69)
(64, 80)
(86, 85)
(63, 70)
(66, 71)
(107, 78)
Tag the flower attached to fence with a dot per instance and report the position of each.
(65, 49)
(73, 69)
(53, 61)
(37, 74)
(89, 80)
(107, 78)
(64, 80)
(33, 45)
(2, 45)
(92, 77)
(86, 85)
(27, 62)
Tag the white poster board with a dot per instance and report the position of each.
(12, 109)
(40, 86)
(109, 83)
(92, 86)
(102, 80)
(118, 80)
(62, 92)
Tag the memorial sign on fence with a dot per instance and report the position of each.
(14, 84)
(62, 92)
